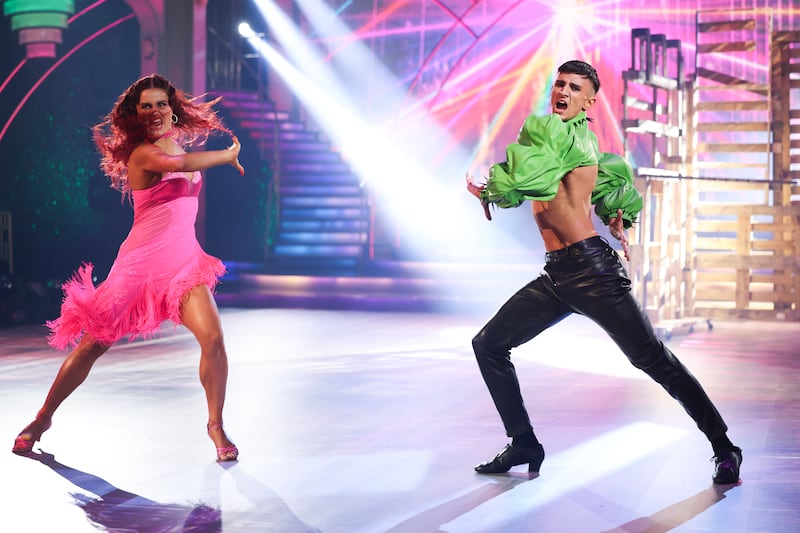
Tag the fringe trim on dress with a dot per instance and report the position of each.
(91, 309)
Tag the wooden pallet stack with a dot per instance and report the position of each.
(720, 234)
(730, 96)
(744, 232)
(785, 68)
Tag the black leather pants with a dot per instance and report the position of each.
(587, 278)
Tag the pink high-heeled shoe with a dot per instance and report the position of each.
(27, 437)
(228, 453)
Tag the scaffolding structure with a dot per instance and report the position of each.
(719, 235)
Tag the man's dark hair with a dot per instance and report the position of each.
(582, 69)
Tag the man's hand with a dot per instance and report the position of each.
(617, 229)
(476, 190)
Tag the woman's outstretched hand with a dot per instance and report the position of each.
(235, 148)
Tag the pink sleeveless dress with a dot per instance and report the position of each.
(157, 264)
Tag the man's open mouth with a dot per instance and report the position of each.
(561, 106)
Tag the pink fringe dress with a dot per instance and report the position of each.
(157, 264)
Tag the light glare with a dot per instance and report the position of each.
(245, 30)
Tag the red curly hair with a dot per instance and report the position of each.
(123, 129)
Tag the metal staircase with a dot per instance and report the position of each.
(319, 211)
(654, 107)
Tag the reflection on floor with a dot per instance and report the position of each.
(354, 422)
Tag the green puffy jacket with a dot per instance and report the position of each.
(547, 148)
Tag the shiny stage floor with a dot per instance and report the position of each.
(354, 422)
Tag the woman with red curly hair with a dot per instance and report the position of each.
(160, 271)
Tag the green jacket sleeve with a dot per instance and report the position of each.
(614, 190)
(547, 148)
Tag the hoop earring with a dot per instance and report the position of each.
(174, 118)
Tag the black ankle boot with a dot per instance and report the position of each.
(726, 466)
(512, 456)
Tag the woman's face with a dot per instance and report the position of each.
(154, 108)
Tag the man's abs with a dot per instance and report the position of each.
(567, 218)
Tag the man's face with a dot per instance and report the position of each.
(571, 94)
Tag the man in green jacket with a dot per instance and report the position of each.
(556, 164)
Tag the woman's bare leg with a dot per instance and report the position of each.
(200, 315)
(72, 373)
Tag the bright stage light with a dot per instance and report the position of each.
(245, 30)
(391, 143)
(565, 11)
(361, 112)
(363, 146)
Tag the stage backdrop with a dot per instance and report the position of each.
(475, 69)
